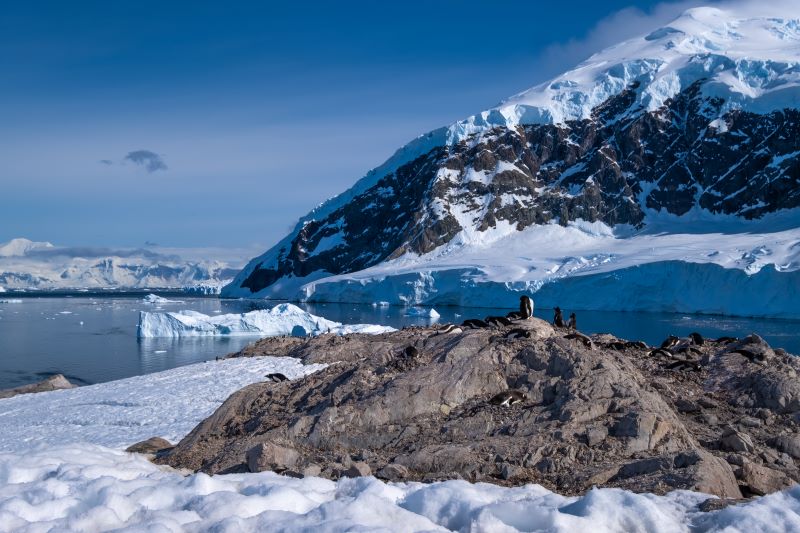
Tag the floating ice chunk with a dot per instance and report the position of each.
(10, 301)
(422, 312)
(283, 319)
(155, 299)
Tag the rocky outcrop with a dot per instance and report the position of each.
(415, 405)
(55, 382)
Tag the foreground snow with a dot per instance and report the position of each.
(283, 319)
(119, 413)
(90, 488)
(62, 468)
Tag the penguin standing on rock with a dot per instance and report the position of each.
(525, 307)
(573, 321)
(558, 318)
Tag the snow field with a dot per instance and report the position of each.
(119, 413)
(92, 488)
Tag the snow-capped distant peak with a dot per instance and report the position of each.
(751, 62)
(20, 247)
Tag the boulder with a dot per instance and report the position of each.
(736, 441)
(789, 444)
(761, 480)
(270, 456)
(153, 445)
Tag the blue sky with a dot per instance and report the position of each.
(219, 124)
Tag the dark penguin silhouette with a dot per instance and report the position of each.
(558, 319)
(508, 398)
(498, 321)
(474, 323)
(277, 377)
(573, 322)
(525, 307)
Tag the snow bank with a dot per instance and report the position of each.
(119, 413)
(156, 299)
(283, 319)
(90, 488)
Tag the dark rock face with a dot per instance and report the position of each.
(608, 413)
(609, 168)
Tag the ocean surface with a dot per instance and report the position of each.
(92, 338)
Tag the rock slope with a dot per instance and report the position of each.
(716, 416)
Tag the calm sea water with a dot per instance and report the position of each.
(92, 339)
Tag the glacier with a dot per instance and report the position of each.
(283, 319)
(737, 270)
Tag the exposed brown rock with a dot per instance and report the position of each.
(602, 415)
(55, 382)
(153, 445)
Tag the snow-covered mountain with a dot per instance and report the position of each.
(25, 264)
(659, 174)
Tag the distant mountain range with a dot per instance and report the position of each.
(26, 265)
(663, 173)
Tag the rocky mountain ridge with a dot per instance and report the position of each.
(698, 117)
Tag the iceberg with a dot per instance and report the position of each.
(422, 312)
(155, 299)
(283, 319)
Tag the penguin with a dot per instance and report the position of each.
(573, 321)
(498, 321)
(410, 352)
(581, 337)
(525, 307)
(669, 342)
(518, 333)
(474, 323)
(449, 328)
(508, 398)
(727, 340)
(558, 318)
(697, 338)
(636, 344)
(683, 364)
(660, 351)
(514, 315)
(277, 377)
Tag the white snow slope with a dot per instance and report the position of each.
(61, 469)
(749, 53)
(283, 319)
